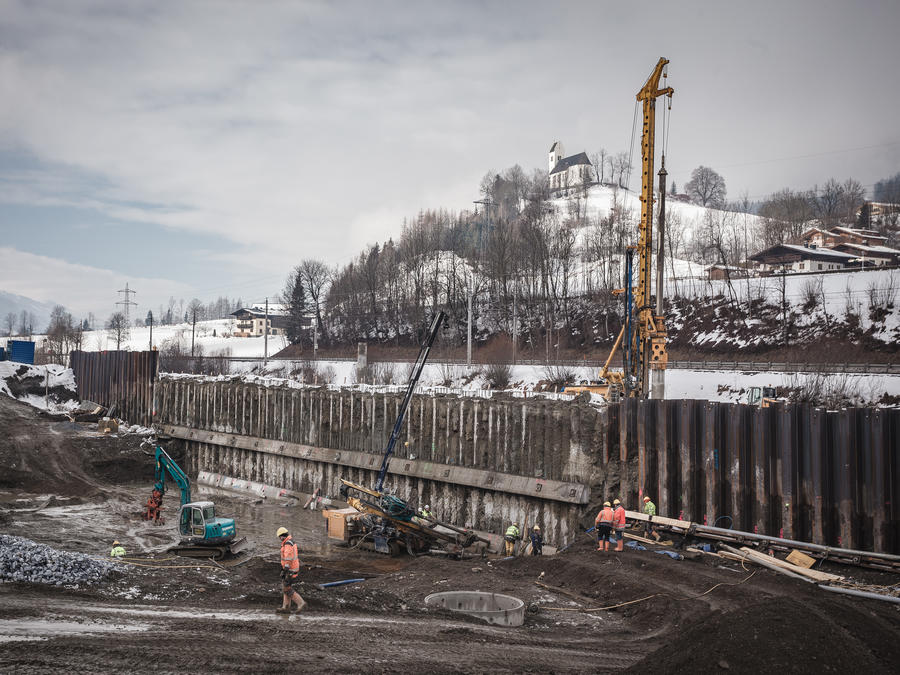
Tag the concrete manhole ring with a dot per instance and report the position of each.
(503, 610)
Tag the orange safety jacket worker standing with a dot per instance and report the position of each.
(603, 522)
(290, 558)
(605, 517)
(619, 526)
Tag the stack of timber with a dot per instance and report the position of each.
(883, 561)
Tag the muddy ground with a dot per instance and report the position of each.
(65, 486)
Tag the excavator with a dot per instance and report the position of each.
(388, 524)
(643, 334)
(205, 535)
(763, 397)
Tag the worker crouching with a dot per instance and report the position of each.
(117, 550)
(290, 573)
(510, 538)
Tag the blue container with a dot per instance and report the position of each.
(2, 354)
(21, 351)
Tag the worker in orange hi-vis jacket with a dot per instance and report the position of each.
(604, 523)
(290, 571)
(619, 524)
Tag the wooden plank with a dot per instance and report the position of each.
(767, 560)
(659, 520)
(801, 559)
(644, 540)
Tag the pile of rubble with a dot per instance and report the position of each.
(24, 560)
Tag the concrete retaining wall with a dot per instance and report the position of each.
(478, 463)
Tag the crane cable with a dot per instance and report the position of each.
(667, 114)
(631, 145)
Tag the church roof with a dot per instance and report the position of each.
(574, 160)
(553, 147)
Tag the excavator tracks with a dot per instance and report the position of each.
(223, 553)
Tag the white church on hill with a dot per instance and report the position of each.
(569, 172)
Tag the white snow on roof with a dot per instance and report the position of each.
(872, 249)
(814, 251)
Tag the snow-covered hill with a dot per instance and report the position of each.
(687, 218)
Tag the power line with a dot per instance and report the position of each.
(810, 155)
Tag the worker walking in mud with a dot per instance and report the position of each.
(604, 523)
(650, 511)
(117, 550)
(511, 537)
(619, 524)
(537, 541)
(290, 573)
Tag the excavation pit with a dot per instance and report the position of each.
(502, 610)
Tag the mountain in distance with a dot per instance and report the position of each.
(10, 302)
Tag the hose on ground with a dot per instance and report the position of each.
(730, 521)
(655, 595)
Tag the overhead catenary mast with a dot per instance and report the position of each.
(126, 303)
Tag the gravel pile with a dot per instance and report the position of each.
(24, 560)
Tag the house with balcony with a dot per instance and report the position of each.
(795, 258)
(254, 321)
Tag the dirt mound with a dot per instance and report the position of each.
(769, 635)
(43, 453)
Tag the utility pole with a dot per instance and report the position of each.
(487, 213)
(266, 335)
(151, 330)
(193, 330)
(469, 330)
(126, 303)
(515, 330)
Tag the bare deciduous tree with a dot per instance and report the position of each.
(599, 160)
(706, 187)
(316, 276)
(118, 328)
(621, 167)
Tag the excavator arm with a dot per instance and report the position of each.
(165, 464)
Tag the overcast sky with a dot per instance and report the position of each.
(203, 148)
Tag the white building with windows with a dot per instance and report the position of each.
(569, 172)
(253, 321)
(794, 258)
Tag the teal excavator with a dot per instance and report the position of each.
(204, 534)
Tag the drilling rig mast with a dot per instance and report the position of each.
(645, 345)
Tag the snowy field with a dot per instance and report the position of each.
(214, 337)
(710, 385)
